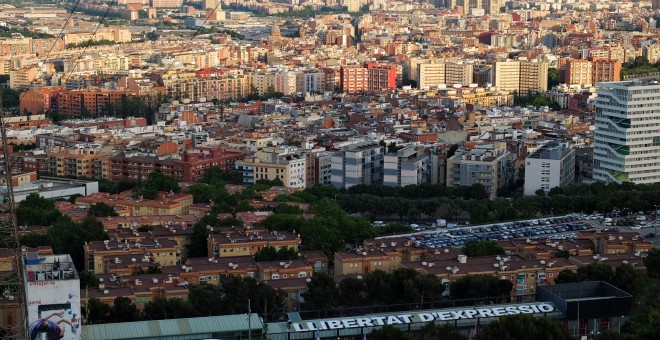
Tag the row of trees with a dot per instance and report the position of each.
(400, 287)
(471, 203)
(203, 300)
(509, 327)
(91, 42)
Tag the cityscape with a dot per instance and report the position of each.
(329, 169)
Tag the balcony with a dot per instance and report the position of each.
(620, 149)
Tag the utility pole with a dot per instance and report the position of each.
(655, 221)
(249, 315)
(11, 284)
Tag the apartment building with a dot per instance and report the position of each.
(282, 270)
(362, 262)
(522, 76)
(39, 100)
(533, 76)
(100, 254)
(605, 70)
(95, 103)
(78, 162)
(525, 274)
(124, 204)
(247, 242)
(222, 84)
(407, 166)
(552, 165)
(360, 163)
(430, 75)
(368, 78)
(651, 53)
(484, 164)
(215, 270)
(190, 167)
(23, 77)
(381, 77)
(118, 35)
(579, 72)
(270, 163)
(627, 145)
(444, 73)
(458, 73)
(354, 79)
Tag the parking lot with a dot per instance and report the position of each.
(563, 227)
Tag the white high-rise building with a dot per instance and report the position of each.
(553, 165)
(627, 147)
(407, 166)
(360, 163)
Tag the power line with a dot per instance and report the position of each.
(89, 41)
(141, 99)
(59, 35)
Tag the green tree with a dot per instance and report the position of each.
(95, 312)
(481, 286)
(101, 210)
(352, 292)
(88, 279)
(553, 77)
(395, 228)
(568, 276)
(198, 246)
(283, 222)
(236, 292)
(92, 229)
(480, 214)
(482, 248)
(36, 210)
(652, 263)
(322, 292)
(156, 183)
(432, 331)
(596, 271)
(123, 310)
(320, 233)
(268, 253)
(610, 334)
(206, 299)
(390, 333)
(562, 253)
(160, 309)
(629, 279)
(523, 327)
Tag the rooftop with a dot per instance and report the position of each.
(49, 267)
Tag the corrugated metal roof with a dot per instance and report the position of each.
(172, 327)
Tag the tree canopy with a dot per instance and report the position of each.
(523, 327)
(481, 286)
(482, 248)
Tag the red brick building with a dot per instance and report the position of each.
(96, 102)
(371, 77)
(39, 100)
(192, 166)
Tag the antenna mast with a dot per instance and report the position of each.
(11, 283)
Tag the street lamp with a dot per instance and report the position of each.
(655, 220)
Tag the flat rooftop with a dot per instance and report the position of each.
(49, 267)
